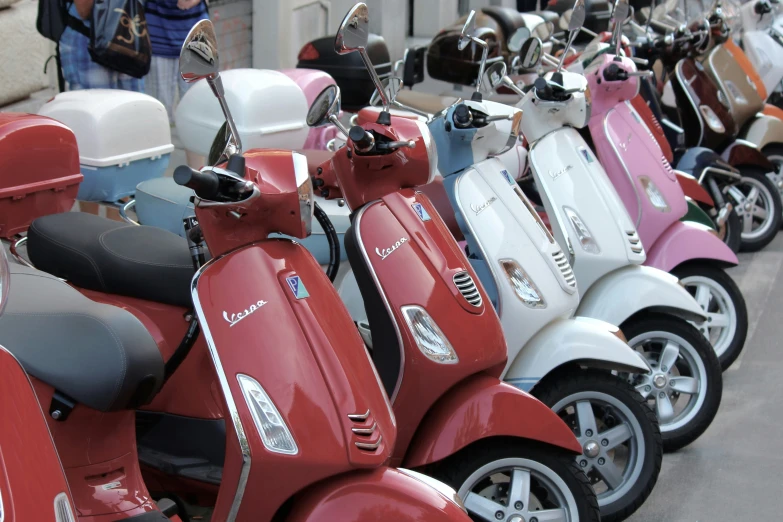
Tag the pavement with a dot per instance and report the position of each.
(731, 473)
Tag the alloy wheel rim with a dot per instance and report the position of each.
(518, 490)
(610, 435)
(676, 387)
(777, 176)
(752, 201)
(721, 324)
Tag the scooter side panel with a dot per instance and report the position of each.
(742, 59)
(688, 242)
(566, 341)
(485, 408)
(735, 83)
(269, 312)
(763, 130)
(413, 259)
(622, 293)
(502, 227)
(382, 495)
(569, 176)
(767, 57)
(31, 475)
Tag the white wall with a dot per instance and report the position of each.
(23, 52)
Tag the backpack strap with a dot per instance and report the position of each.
(77, 25)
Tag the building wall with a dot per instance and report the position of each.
(23, 52)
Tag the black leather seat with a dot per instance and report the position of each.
(109, 256)
(508, 19)
(99, 355)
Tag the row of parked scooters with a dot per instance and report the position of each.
(535, 316)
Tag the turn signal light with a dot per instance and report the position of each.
(270, 425)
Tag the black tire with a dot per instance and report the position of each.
(774, 153)
(734, 348)
(693, 422)
(457, 470)
(758, 178)
(560, 387)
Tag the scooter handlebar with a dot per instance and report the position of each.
(205, 184)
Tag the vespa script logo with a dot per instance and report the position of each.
(560, 172)
(478, 209)
(235, 318)
(386, 252)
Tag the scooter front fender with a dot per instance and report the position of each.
(622, 293)
(581, 340)
(689, 241)
(390, 495)
(742, 152)
(480, 408)
(763, 130)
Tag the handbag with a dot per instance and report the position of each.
(118, 37)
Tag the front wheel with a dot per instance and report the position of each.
(685, 386)
(719, 296)
(509, 479)
(757, 201)
(619, 434)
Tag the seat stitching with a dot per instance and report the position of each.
(86, 256)
(138, 261)
(118, 343)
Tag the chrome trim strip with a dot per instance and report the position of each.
(625, 167)
(123, 210)
(13, 249)
(358, 417)
(685, 87)
(358, 224)
(239, 430)
(539, 177)
(719, 172)
(369, 446)
(490, 262)
(365, 431)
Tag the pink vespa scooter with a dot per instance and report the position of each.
(649, 188)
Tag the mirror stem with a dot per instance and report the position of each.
(511, 85)
(337, 123)
(411, 109)
(216, 84)
(565, 51)
(377, 81)
(484, 53)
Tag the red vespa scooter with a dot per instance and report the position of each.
(308, 430)
(436, 340)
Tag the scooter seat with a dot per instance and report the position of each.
(98, 355)
(96, 253)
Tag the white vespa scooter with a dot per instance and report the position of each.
(560, 360)
(590, 221)
(762, 40)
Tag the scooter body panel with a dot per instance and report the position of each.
(689, 241)
(622, 293)
(296, 338)
(499, 223)
(766, 55)
(580, 340)
(384, 492)
(31, 476)
(634, 162)
(736, 85)
(577, 192)
(742, 152)
(413, 260)
(481, 409)
(742, 59)
(763, 130)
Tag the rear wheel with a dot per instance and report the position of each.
(685, 386)
(719, 296)
(774, 153)
(511, 480)
(757, 201)
(619, 434)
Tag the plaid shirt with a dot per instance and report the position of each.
(82, 73)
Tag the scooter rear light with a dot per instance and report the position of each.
(62, 509)
(429, 337)
(583, 233)
(274, 433)
(308, 53)
(523, 286)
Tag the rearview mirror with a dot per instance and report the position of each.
(391, 86)
(544, 31)
(324, 107)
(530, 55)
(467, 31)
(621, 12)
(578, 15)
(495, 74)
(198, 58)
(517, 39)
(354, 31)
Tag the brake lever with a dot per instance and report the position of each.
(398, 144)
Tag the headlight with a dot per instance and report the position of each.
(524, 287)
(654, 195)
(429, 338)
(712, 119)
(270, 425)
(586, 239)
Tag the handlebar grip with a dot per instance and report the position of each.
(462, 116)
(204, 184)
(361, 139)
